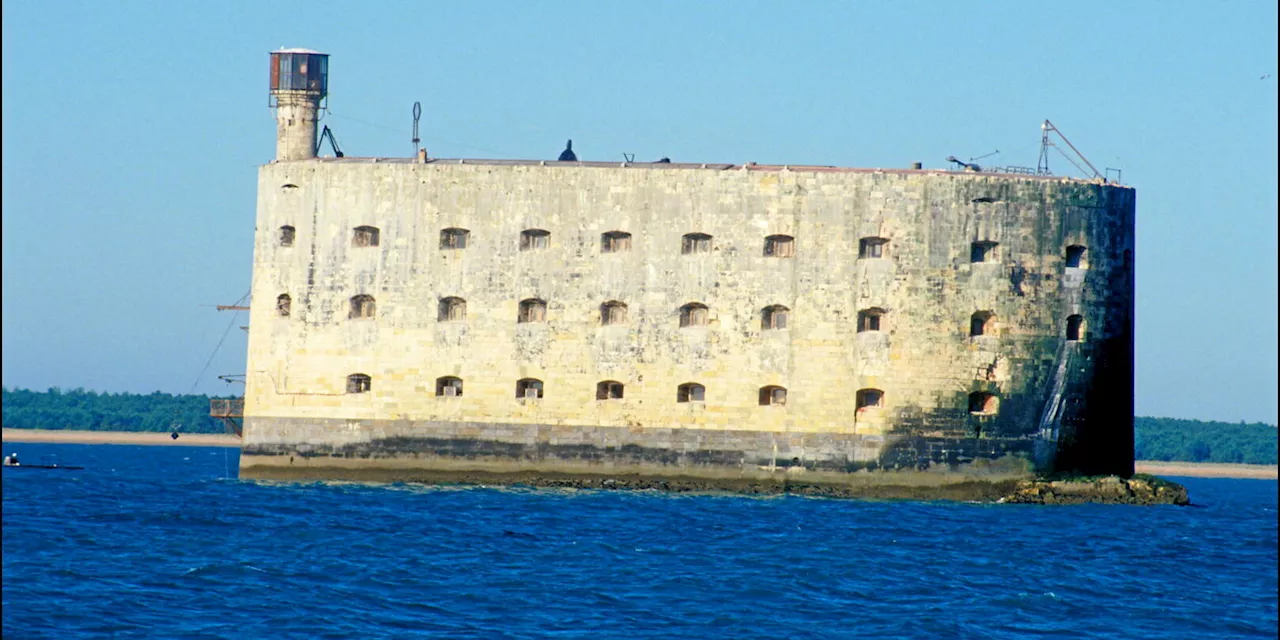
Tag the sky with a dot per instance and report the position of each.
(132, 133)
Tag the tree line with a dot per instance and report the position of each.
(1164, 439)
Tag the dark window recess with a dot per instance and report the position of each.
(359, 383)
(693, 315)
(453, 310)
(363, 306)
(983, 403)
(613, 312)
(695, 243)
(872, 247)
(779, 247)
(774, 318)
(609, 390)
(284, 305)
(1075, 327)
(984, 251)
(869, 319)
(980, 323)
(531, 239)
(772, 395)
(1075, 256)
(287, 234)
(615, 242)
(529, 389)
(869, 398)
(691, 392)
(454, 238)
(365, 237)
(449, 387)
(532, 310)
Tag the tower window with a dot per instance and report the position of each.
(983, 403)
(1075, 327)
(693, 315)
(453, 310)
(691, 392)
(779, 247)
(615, 242)
(695, 243)
(980, 324)
(453, 238)
(613, 312)
(872, 247)
(774, 318)
(1075, 257)
(984, 251)
(869, 319)
(359, 383)
(365, 237)
(609, 390)
(528, 389)
(532, 310)
(362, 306)
(869, 399)
(287, 234)
(449, 387)
(284, 305)
(772, 395)
(532, 239)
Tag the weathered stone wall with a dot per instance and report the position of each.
(922, 358)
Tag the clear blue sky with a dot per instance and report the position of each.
(132, 133)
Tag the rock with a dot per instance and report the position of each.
(1139, 490)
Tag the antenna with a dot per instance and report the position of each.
(986, 156)
(628, 157)
(1042, 167)
(417, 113)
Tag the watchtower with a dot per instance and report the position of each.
(299, 84)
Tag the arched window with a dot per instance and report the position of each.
(449, 387)
(869, 399)
(1075, 257)
(983, 403)
(983, 251)
(695, 243)
(774, 318)
(365, 236)
(454, 238)
(287, 234)
(613, 312)
(693, 314)
(609, 390)
(691, 392)
(779, 247)
(872, 247)
(532, 310)
(453, 310)
(362, 306)
(869, 319)
(359, 383)
(528, 389)
(981, 323)
(615, 241)
(772, 395)
(284, 305)
(531, 239)
(1075, 327)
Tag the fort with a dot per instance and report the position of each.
(860, 332)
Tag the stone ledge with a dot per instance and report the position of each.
(1139, 490)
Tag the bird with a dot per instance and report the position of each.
(568, 155)
(1265, 77)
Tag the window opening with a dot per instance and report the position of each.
(984, 251)
(533, 239)
(365, 237)
(453, 238)
(449, 387)
(1075, 327)
(453, 310)
(615, 242)
(609, 390)
(693, 315)
(695, 243)
(980, 323)
(869, 399)
(772, 395)
(779, 247)
(359, 383)
(983, 403)
(613, 312)
(284, 305)
(691, 392)
(872, 247)
(529, 389)
(1075, 256)
(869, 319)
(362, 306)
(532, 310)
(774, 318)
(287, 234)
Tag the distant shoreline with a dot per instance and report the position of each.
(1190, 469)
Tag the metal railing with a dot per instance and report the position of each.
(221, 408)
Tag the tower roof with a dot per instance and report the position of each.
(299, 50)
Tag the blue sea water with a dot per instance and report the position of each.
(157, 542)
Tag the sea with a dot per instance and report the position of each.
(165, 542)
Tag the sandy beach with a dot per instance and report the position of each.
(1207, 469)
(120, 437)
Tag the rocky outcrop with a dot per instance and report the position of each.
(1140, 489)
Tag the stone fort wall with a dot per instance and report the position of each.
(906, 393)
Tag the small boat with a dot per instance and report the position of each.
(11, 462)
